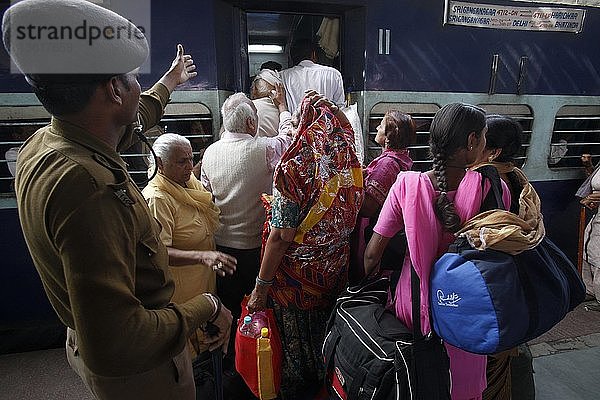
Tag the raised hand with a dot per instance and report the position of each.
(182, 69)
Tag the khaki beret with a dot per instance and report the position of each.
(71, 37)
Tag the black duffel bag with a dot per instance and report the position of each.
(370, 354)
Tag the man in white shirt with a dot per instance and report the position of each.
(237, 169)
(309, 75)
(322, 79)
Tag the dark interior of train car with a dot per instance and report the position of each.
(270, 36)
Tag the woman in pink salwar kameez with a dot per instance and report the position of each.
(430, 207)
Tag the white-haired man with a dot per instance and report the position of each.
(237, 169)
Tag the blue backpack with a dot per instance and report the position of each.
(488, 301)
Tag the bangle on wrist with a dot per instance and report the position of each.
(216, 302)
(263, 282)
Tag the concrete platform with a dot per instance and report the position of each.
(40, 375)
(569, 375)
(566, 364)
(567, 358)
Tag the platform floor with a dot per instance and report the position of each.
(566, 364)
(569, 375)
(38, 375)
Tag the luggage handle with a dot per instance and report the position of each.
(328, 351)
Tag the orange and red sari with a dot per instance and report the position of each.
(319, 191)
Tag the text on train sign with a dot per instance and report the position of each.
(507, 17)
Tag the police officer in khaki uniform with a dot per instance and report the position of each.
(92, 238)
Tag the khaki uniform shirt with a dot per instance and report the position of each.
(97, 247)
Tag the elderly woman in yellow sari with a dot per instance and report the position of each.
(189, 219)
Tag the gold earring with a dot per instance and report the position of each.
(491, 158)
(470, 148)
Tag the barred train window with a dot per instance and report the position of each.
(576, 131)
(520, 113)
(192, 120)
(422, 113)
(16, 125)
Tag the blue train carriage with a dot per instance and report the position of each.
(536, 61)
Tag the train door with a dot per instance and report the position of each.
(268, 28)
(269, 35)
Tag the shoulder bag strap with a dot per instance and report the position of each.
(415, 294)
(490, 173)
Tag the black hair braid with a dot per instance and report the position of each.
(449, 133)
(444, 207)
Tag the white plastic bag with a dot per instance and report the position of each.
(351, 113)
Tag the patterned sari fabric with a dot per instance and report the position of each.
(318, 191)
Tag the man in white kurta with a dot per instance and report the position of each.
(307, 75)
(237, 170)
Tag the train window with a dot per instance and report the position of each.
(16, 125)
(523, 115)
(422, 113)
(576, 131)
(192, 120)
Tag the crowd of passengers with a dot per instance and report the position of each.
(298, 170)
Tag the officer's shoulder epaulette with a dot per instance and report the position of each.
(121, 184)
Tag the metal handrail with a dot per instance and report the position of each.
(24, 123)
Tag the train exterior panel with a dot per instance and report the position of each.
(393, 54)
(426, 55)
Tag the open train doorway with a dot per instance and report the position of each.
(271, 34)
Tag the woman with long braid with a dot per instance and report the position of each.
(431, 207)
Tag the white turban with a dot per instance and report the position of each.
(270, 76)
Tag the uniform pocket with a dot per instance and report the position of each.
(183, 366)
(153, 251)
(150, 243)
